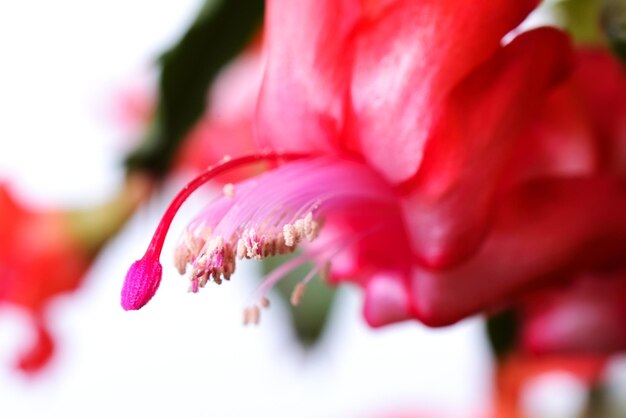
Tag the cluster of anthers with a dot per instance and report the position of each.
(212, 257)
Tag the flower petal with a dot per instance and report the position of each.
(301, 102)
(40, 351)
(451, 197)
(408, 57)
(386, 299)
(601, 83)
(562, 319)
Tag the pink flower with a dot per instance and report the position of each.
(397, 124)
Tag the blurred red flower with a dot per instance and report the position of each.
(40, 258)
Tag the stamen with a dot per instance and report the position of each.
(302, 228)
(187, 251)
(327, 252)
(144, 276)
(251, 315)
(298, 292)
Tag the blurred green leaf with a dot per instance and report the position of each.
(309, 318)
(220, 31)
(502, 330)
(614, 25)
(581, 18)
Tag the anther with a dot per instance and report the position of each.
(193, 287)
(253, 315)
(291, 235)
(297, 294)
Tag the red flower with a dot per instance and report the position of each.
(400, 124)
(40, 258)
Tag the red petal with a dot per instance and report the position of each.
(560, 142)
(386, 299)
(562, 319)
(408, 57)
(601, 83)
(451, 197)
(303, 90)
(541, 233)
(40, 352)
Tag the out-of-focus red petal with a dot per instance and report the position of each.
(302, 97)
(450, 200)
(587, 315)
(601, 82)
(541, 234)
(39, 352)
(40, 258)
(43, 259)
(581, 127)
(559, 142)
(408, 57)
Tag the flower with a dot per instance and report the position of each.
(40, 258)
(396, 123)
(45, 253)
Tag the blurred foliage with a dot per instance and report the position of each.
(220, 31)
(309, 318)
(581, 18)
(502, 330)
(614, 25)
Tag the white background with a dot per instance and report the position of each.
(62, 63)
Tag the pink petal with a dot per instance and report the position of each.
(448, 208)
(386, 299)
(301, 103)
(586, 316)
(541, 233)
(408, 57)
